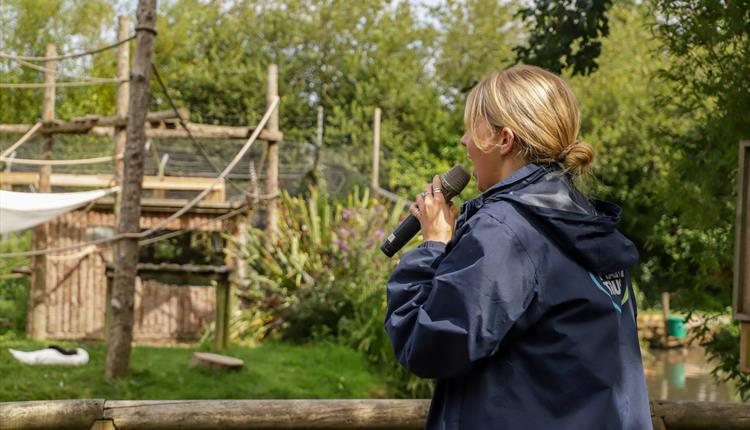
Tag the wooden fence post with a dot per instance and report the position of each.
(665, 313)
(126, 249)
(37, 325)
(272, 177)
(375, 180)
(741, 296)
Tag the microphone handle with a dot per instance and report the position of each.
(400, 236)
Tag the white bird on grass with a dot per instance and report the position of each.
(52, 355)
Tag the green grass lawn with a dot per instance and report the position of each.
(273, 370)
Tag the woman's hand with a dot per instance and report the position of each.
(437, 217)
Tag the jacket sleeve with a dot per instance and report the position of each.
(448, 310)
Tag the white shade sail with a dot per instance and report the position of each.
(19, 211)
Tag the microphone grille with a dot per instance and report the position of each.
(454, 181)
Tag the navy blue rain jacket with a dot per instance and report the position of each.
(527, 317)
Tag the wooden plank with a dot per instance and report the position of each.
(107, 126)
(207, 131)
(177, 183)
(82, 125)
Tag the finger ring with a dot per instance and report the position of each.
(424, 193)
(437, 190)
(417, 211)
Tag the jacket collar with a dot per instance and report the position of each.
(524, 175)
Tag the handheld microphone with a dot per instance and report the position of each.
(453, 183)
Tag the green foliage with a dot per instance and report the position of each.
(13, 287)
(324, 254)
(272, 371)
(324, 277)
(709, 86)
(620, 119)
(565, 34)
(28, 25)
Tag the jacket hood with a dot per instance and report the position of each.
(584, 230)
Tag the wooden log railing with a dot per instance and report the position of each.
(302, 414)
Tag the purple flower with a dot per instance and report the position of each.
(346, 214)
(343, 231)
(379, 234)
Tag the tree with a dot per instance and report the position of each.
(28, 25)
(565, 34)
(709, 77)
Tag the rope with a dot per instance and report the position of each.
(80, 254)
(57, 72)
(22, 140)
(27, 85)
(35, 162)
(177, 214)
(66, 56)
(180, 232)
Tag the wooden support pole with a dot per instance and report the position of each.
(315, 176)
(318, 135)
(8, 169)
(222, 312)
(741, 284)
(37, 326)
(272, 177)
(375, 180)
(123, 91)
(120, 134)
(126, 249)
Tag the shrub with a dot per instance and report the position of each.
(324, 277)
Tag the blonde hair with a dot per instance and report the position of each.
(540, 109)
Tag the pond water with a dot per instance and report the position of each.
(683, 374)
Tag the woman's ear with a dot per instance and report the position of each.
(505, 141)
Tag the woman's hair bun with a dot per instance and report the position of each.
(578, 158)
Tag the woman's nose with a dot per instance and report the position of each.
(464, 139)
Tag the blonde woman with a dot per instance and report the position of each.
(522, 308)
